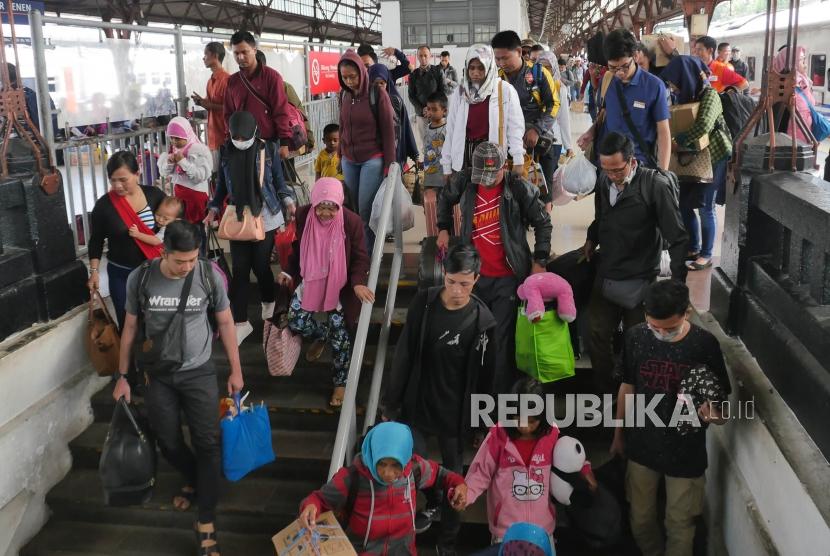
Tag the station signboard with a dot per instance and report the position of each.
(20, 10)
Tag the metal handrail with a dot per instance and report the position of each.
(347, 424)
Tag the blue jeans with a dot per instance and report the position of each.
(702, 239)
(363, 180)
(117, 276)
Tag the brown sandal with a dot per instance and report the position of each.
(185, 498)
(206, 536)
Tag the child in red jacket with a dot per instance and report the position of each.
(382, 484)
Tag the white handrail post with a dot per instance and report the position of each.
(391, 293)
(347, 410)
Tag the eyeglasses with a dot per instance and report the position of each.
(625, 67)
(616, 171)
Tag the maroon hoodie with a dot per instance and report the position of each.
(361, 138)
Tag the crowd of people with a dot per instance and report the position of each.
(484, 132)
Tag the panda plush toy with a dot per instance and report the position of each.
(567, 484)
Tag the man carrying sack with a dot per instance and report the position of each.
(168, 305)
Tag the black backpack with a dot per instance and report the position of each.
(737, 108)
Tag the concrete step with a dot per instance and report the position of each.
(254, 505)
(77, 538)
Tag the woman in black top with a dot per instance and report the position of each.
(124, 252)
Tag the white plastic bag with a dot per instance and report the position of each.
(665, 264)
(579, 176)
(559, 195)
(404, 200)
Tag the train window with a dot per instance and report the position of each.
(750, 68)
(818, 63)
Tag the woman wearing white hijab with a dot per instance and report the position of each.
(473, 114)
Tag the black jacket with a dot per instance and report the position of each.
(520, 207)
(400, 397)
(422, 83)
(107, 225)
(631, 233)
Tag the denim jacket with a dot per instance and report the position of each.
(275, 192)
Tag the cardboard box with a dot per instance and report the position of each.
(332, 540)
(681, 119)
(660, 58)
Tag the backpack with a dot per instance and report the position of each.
(737, 109)
(345, 514)
(297, 105)
(207, 284)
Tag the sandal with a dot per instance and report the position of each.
(694, 265)
(337, 396)
(690, 256)
(206, 536)
(185, 498)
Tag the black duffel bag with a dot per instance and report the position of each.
(430, 263)
(128, 460)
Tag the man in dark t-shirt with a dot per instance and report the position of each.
(665, 357)
(444, 355)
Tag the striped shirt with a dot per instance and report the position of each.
(146, 216)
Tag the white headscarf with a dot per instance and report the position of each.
(469, 92)
(551, 59)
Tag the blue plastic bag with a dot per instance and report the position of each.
(821, 125)
(246, 441)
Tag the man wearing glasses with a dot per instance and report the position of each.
(635, 104)
(636, 209)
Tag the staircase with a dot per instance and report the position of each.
(251, 510)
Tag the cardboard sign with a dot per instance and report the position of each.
(682, 117)
(327, 539)
(322, 72)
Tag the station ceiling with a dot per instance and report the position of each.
(567, 24)
(343, 20)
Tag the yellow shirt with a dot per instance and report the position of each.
(326, 165)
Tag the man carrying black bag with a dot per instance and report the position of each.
(168, 304)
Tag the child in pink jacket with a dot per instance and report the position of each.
(513, 467)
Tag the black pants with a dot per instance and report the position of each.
(196, 393)
(247, 256)
(451, 459)
(499, 294)
(549, 163)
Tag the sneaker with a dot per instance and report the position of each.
(243, 330)
(315, 350)
(424, 519)
(444, 551)
(268, 310)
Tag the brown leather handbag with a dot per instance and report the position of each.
(103, 342)
(250, 228)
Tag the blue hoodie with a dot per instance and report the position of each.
(386, 440)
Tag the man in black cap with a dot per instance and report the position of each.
(496, 207)
(739, 65)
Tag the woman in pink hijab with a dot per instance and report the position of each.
(188, 164)
(329, 266)
(803, 84)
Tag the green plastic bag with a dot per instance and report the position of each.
(543, 349)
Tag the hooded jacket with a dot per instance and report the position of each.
(361, 137)
(382, 520)
(403, 386)
(516, 490)
(520, 206)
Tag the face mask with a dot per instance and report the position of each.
(243, 145)
(630, 177)
(669, 336)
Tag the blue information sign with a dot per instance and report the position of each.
(20, 10)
